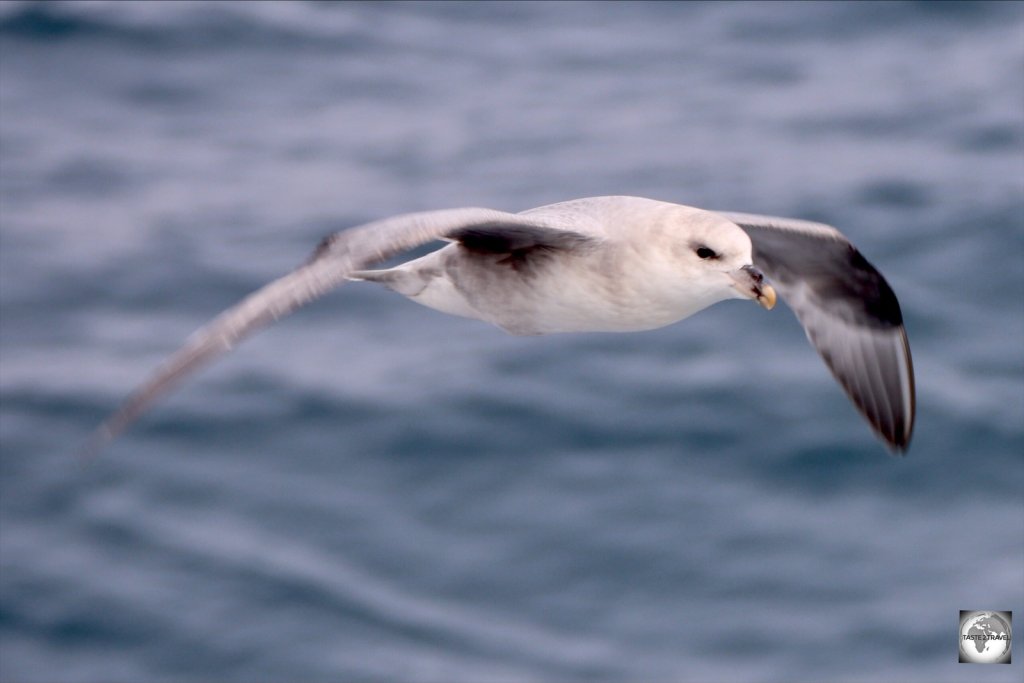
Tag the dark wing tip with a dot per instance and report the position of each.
(875, 371)
(900, 441)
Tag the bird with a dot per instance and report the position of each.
(597, 264)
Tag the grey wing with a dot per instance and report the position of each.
(849, 312)
(332, 263)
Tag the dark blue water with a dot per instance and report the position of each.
(373, 491)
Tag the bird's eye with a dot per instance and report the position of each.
(706, 253)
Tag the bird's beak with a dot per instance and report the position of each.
(749, 281)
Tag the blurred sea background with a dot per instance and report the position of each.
(373, 491)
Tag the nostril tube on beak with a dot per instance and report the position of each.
(750, 281)
(755, 274)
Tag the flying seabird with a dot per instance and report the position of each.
(600, 264)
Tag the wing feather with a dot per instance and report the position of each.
(333, 261)
(849, 312)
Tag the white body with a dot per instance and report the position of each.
(641, 274)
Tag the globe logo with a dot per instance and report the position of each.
(985, 637)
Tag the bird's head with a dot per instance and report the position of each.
(718, 253)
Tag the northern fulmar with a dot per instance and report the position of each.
(600, 264)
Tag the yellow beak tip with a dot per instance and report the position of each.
(767, 297)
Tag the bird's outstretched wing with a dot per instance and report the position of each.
(850, 314)
(332, 263)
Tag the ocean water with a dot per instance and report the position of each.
(373, 491)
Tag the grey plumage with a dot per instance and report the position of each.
(849, 312)
(584, 264)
